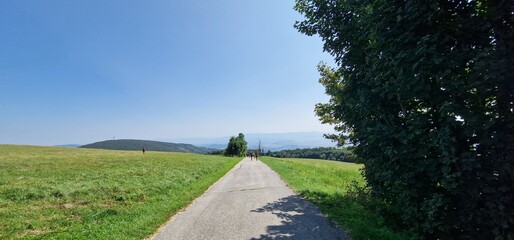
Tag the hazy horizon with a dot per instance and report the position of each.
(252, 139)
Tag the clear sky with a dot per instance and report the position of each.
(90, 70)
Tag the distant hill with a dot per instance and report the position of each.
(131, 144)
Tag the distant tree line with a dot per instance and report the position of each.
(217, 152)
(327, 153)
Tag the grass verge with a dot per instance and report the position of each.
(59, 193)
(330, 185)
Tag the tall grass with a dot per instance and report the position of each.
(59, 193)
(333, 186)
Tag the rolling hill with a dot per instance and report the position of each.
(132, 144)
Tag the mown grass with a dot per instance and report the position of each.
(331, 186)
(59, 193)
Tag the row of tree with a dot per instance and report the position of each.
(424, 90)
(327, 153)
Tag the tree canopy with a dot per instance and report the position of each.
(424, 91)
(236, 146)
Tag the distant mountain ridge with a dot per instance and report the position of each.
(134, 144)
(269, 141)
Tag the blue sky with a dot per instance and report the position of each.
(89, 70)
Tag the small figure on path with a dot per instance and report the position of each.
(143, 149)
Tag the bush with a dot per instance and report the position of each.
(424, 90)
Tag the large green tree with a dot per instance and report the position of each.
(236, 146)
(424, 90)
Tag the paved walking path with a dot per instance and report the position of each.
(250, 202)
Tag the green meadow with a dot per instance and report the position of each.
(333, 187)
(60, 193)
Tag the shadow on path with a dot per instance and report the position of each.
(299, 220)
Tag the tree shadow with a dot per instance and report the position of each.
(299, 220)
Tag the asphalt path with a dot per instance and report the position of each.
(250, 202)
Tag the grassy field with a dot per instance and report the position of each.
(59, 193)
(327, 184)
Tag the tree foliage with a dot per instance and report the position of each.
(424, 90)
(236, 146)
